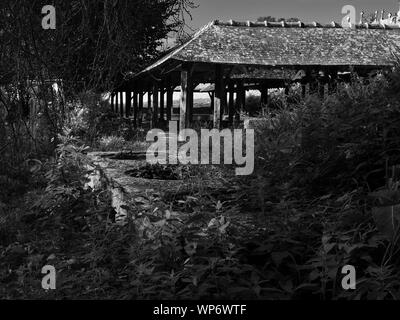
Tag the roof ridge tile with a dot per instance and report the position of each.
(300, 24)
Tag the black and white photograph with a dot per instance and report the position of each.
(200, 155)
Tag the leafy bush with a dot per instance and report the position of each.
(284, 233)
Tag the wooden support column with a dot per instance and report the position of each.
(170, 101)
(155, 105)
(162, 102)
(140, 110)
(312, 81)
(183, 102)
(116, 110)
(303, 90)
(321, 88)
(240, 100)
(264, 93)
(112, 102)
(150, 109)
(231, 108)
(212, 94)
(190, 98)
(287, 90)
(121, 109)
(135, 109)
(128, 103)
(219, 97)
(332, 85)
(264, 96)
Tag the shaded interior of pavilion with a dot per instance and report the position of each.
(153, 98)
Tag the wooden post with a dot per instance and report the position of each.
(240, 100)
(155, 104)
(183, 103)
(140, 111)
(303, 90)
(332, 85)
(128, 103)
(116, 102)
(231, 109)
(219, 100)
(135, 109)
(312, 81)
(170, 101)
(150, 109)
(212, 94)
(162, 104)
(321, 88)
(112, 96)
(122, 108)
(264, 95)
(287, 90)
(190, 98)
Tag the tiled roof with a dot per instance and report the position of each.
(289, 44)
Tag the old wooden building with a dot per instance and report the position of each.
(230, 58)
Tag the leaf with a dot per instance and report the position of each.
(51, 257)
(223, 228)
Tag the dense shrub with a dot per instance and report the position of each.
(343, 142)
(284, 233)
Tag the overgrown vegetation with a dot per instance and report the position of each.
(324, 195)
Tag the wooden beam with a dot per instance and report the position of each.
(128, 103)
(219, 97)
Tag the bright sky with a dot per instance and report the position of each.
(324, 11)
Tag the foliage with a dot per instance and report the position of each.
(94, 44)
(49, 79)
(324, 195)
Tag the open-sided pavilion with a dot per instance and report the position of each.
(226, 59)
